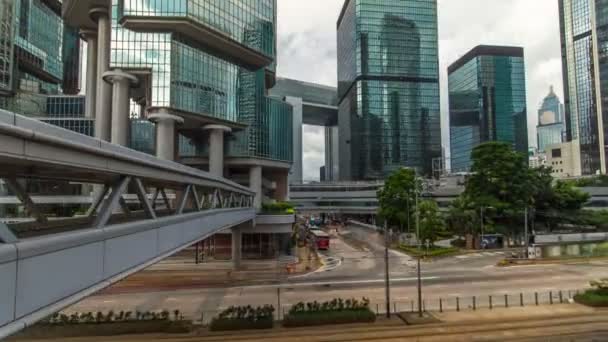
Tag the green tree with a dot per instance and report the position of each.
(462, 217)
(432, 226)
(396, 198)
(500, 178)
(567, 197)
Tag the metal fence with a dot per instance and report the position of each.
(443, 304)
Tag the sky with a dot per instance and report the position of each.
(307, 50)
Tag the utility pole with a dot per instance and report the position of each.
(387, 272)
(419, 256)
(526, 242)
(482, 227)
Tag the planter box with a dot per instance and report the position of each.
(328, 318)
(104, 329)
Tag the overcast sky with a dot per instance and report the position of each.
(307, 49)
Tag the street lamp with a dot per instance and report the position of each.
(423, 186)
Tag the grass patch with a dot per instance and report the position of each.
(433, 252)
(594, 298)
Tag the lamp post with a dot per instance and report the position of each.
(482, 227)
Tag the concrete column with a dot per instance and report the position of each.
(91, 82)
(297, 173)
(282, 186)
(255, 183)
(103, 100)
(166, 133)
(216, 148)
(121, 105)
(237, 240)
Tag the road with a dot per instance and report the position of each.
(359, 272)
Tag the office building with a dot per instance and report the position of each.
(388, 87)
(487, 89)
(563, 159)
(39, 56)
(584, 38)
(551, 129)
(184, 80)
(316, 105)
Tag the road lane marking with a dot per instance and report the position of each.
(345, 282)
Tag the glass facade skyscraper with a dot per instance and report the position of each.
(388, 87)
(487, 90)
(39, 56)
(584, 37)
(196, 79)
(551, 128)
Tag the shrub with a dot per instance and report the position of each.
(337, 311)
(244, 318)
(278, 208)
(432, 252)
(597, 297)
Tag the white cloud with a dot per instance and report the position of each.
(307, 48)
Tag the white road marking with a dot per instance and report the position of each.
(346, 282)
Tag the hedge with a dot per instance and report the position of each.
(329, 317)
(594, 298)
(432, 252)
(244, 318)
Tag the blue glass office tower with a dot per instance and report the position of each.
(487, 90)
(388, 87)
(551, 128)
(584, 37)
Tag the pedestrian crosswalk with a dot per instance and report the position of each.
(479, 255)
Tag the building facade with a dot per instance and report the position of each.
(487, 90)
(316, 105)
(39, 56)
(563, 159)
(388, 87)
(551, 128)
(584, 39)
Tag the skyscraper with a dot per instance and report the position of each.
(551, 128)
(388, 87)
(584, 37)
(39, 56)
(487, 89)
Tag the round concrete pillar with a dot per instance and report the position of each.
(91, 82)
(255, 183)
(103, 99)
(121, 105)
(166, 133)
(216, 148)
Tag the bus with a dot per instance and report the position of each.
(320, 239)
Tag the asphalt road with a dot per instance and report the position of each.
(356, 269)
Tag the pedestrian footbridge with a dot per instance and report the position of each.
(49, 262)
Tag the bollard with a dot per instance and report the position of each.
(412, 306)
(569, 295)
(536, 298)
(506, 301)
(521, 299)
(561, 297)
(440, 305)
(474, 303)
(377, 309)
(551, 297)
(457, 304)
(490, 298)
